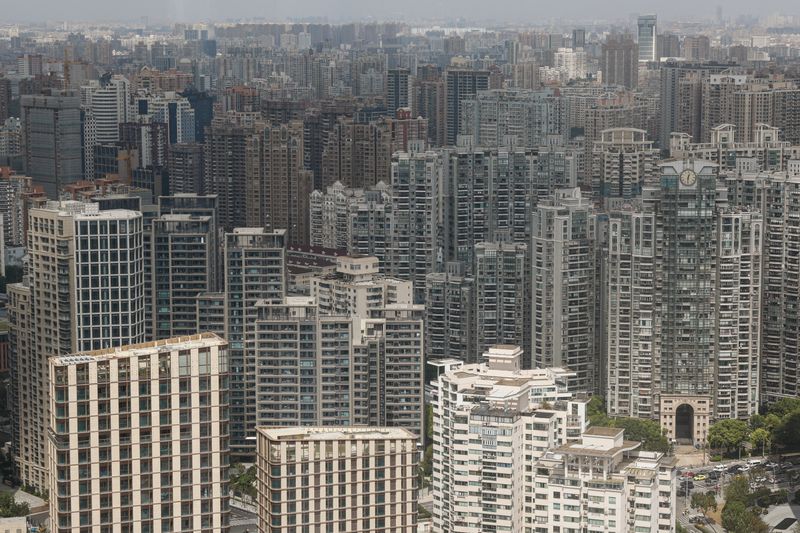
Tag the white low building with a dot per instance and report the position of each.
(603, 484)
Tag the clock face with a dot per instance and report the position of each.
(688, 177)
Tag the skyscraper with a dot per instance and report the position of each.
(51, 139)
(255, 271)
(398, 86)
(184, 266)
(225, 162)
(138, 437)
(676, 277)
(186, 168)
(502, 296)
(450, 315)
(85, 290)
(564, 288)
(347, 370)
(647, 38)
(461, 84)
(277, 185)
(775, 195)
(620, 61)
(417, 179)
(623, 161)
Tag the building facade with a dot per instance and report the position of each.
(138, 437)
(339, 479)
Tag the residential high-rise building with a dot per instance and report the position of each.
(681, 98)
(347, 370)
(84, 291)
(620, 61)
(416, 185)
(277, 186)
(357, 154)
(137, 437)
(764, 153)
(774, 195)
(696, 47)
(623, 160)
(513, 117)
(489, 196)
(564, 288)
(15, 190)
(185, 165)
(483, 416)
(255, 271)
(225, 164)
(357, 288)
(675, 279)
(450, 315)
(668, 46)
(363, 479)
(184, 261)
(429, 102)
(398, 88)
(647, 38)
(502, 296)
(461, 84)
(172, 110)
(51, 139)
(109, 103)
(603, 470)
(5, 98)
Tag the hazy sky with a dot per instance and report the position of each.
(336, 10)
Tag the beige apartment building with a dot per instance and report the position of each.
(338, 480)
(138, 438)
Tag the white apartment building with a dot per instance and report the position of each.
(138, 438)
(491, 422)
(339, 480)
(357, 287)
(764, 153)
(603, 484)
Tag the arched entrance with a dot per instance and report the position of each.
(684, 424)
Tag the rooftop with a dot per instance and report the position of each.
(200, 340)
(331, 433)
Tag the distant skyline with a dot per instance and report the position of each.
(497, 11)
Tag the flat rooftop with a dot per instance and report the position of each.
(334, 433)
(201, 340)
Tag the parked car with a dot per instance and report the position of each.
(754, 462)
(733, 469)
(700, 477)
(720, 468)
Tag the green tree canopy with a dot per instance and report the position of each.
(760, 439)
(10, 508)
(784, 406)
(737, 518)
(729, 434)
(788, 431)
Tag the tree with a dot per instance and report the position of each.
(647, 431)
(705, 502)
(788, 431)
(429, 423)
(728, 434)
(737, 490)
(596, 406)
(760, 438)
(784, 406)
(10, 508)
(737, 518)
